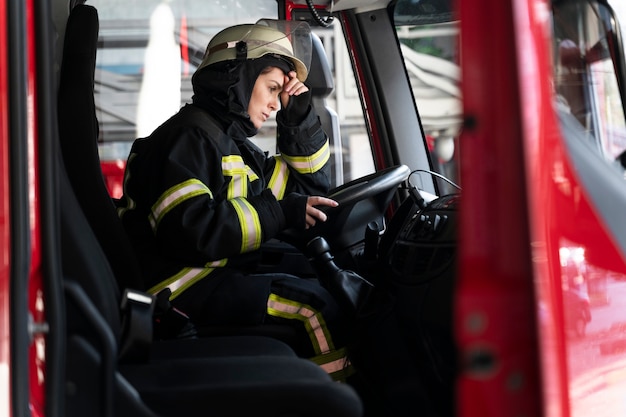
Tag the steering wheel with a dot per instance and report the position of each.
(361, 201)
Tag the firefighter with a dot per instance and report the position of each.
(200, 197)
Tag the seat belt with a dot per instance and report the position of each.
(137, 310)
(145, 318)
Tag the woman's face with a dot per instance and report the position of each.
(265, 95)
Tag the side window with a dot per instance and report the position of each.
(352, 152)
(431, 60)
(585, 77)
(147, 53)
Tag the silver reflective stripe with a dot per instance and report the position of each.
(313, 321)
(250, 224)
(335, 365)
(278, 180)
(138, 297)
(309, 164)
(173, 197)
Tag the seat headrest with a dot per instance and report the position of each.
(320, 79)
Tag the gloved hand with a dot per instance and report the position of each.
(294, 209)
(297, 108)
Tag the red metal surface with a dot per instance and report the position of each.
(5, 225)
(524, 208)
(581, 374)
(543, 148)
(113, 172)
(289, 6)
(35, 286)
(495, 314)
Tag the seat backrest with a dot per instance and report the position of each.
(322, 84)
(78, 131)
(92, 295)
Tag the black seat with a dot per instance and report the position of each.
(220, 377)
(78, 130)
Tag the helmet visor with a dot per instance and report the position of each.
(298, 34)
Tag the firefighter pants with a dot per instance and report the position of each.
(297, 310)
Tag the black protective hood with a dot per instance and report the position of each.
(224, 90)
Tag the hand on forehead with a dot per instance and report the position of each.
(293, 86)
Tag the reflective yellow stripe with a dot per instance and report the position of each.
(186, 277)
(252, 176)
(217, 264)
(309, 164)
(336, 363)
(181, 281)
(313, 321)
(233, 166)
(341, 375)
(336, 366)
(250, 224)
(278, 180)
(233, 163)
(173, 197)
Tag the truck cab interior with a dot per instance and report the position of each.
(112, 365)
(386, 83)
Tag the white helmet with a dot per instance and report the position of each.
(251, 41)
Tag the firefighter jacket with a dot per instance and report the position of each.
(196, 199)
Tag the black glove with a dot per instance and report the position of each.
(297, 109)
(294, 209)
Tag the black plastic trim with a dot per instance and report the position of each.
(19, 209)
(48, 144)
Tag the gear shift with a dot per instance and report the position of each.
(349, 289)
